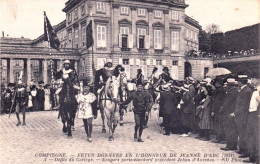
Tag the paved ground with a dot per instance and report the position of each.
(42, 141)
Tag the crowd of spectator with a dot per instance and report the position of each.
(229, 54)
(223, 110)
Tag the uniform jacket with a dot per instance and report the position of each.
(140, 101)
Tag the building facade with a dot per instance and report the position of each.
(136, 34)
(133, 33)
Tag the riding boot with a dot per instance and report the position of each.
(18, 118)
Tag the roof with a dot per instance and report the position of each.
(179, 3)
(192, 21)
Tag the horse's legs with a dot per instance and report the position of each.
(63, 120)
(103, 120)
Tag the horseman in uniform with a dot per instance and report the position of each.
(68, 101)
(165, 76)
(101, 78)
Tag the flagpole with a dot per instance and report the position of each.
(93, 78)
(48, 36)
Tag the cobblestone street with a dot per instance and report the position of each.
(43, 134)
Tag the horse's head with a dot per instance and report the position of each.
(113, 89)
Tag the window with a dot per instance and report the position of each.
(82, 9)
(175, 15)
(101, 36)
(76, 38)
(195, 36)
(157, 39)
(143, 67)
(187, 33)
(141, 12)
(69, 18)
(175, 62)
(76, 13)
(157, 14)
(126, 65)
(141, 37)
(158, 62)
(70, 39)
(175, 40)
(124, 31)
(100, 6)
(83, 32)
(206, 70)
(124, 10)
(190, 34)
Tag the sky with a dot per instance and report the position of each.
(25, 17)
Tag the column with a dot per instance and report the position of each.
(28, 71)
(134, 16)
(45, 75)
(11, 70)
(115, 28)
(167, 33)
(60, 65)
(76, 66)
(150, 21)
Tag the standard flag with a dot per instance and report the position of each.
(49, 34)
(89, 35)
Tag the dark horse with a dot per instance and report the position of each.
(68, 103)
(68, 107)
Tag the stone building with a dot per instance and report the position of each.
(136, 34)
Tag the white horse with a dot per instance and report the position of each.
(109, 103)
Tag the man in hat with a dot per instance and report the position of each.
(240, 113)
(101, 78)
(139, 77)
(40, 96)
(20, 100)
(168, 106)
(219, 96)
(70, 87)
(229, 122)
(165, 76)
(141, 108)
(252, 128)
(8, 97)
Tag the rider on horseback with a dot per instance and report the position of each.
(69, 89)
(101, 77)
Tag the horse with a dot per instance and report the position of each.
(68, 107)
(109, 103)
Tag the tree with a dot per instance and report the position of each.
(212, 29)
(204, 41)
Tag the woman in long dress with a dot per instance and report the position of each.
(47, 101)
(85, 110)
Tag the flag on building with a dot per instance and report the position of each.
(89, 35)
(49, 34)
